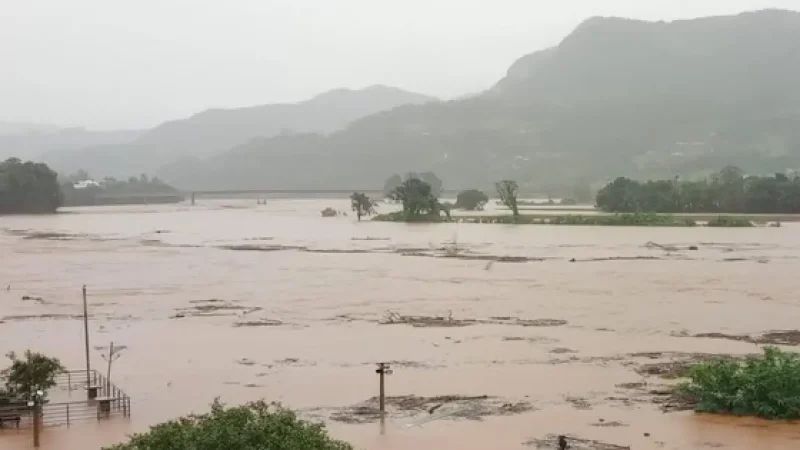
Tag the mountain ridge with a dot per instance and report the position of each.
(615, 97)
(215, 130)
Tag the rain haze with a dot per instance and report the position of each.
(555, 224)
(115, 65)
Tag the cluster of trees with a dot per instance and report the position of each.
(419, 196)
(728, 191)
(28, 188)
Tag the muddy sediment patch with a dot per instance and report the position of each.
(678, 365)
(47, 235)
(447, 407)
(261, 248)
(784, 337)
(611, 424)
(574, 443)
(213, 308)
(19, 318)
(580, 403)
(619, 258)
(259, 323)
(393, 318)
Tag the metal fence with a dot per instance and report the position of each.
(104, 400)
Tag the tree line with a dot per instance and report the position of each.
(727, 191)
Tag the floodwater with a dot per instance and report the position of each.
(330, 282)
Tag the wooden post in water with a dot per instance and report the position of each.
(192, 198)
(86, 339)
(383, 370)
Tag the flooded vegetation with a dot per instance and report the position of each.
(499, 337)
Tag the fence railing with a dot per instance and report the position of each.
(104, 400)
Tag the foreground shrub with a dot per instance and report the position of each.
(766, 386)
(256, 426)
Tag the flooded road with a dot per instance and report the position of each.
(233, 300)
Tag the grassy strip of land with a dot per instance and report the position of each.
(627, 219)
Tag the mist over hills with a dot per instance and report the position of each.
(615, 97)
(31, 141)
(216, 130)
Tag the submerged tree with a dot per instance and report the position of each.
(361, 204)
(36, 372)
(507, 190)
(254, 426)
(391, 184)
(471, 200)
(417, 199)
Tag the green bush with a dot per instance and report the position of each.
(725, 221)
(255, 426)
(766, 386)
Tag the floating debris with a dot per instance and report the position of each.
(447, 407)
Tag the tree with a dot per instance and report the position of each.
(417, 198)
(434, 181)
(507, 190)
(36, 372)
(391, 184)
(447, 207)
(255, 426)
(471, 200)
(28, 188)
(361, 204)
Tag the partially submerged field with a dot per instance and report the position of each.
(499, 337)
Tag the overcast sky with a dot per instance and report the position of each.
(108, 64)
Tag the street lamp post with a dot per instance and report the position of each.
(36, 404)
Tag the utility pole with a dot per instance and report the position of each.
(113, 355)
(86, 338)
(383, 370)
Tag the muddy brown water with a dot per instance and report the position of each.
(243, 302)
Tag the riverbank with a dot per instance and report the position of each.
(116, 200)
(599, 219)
